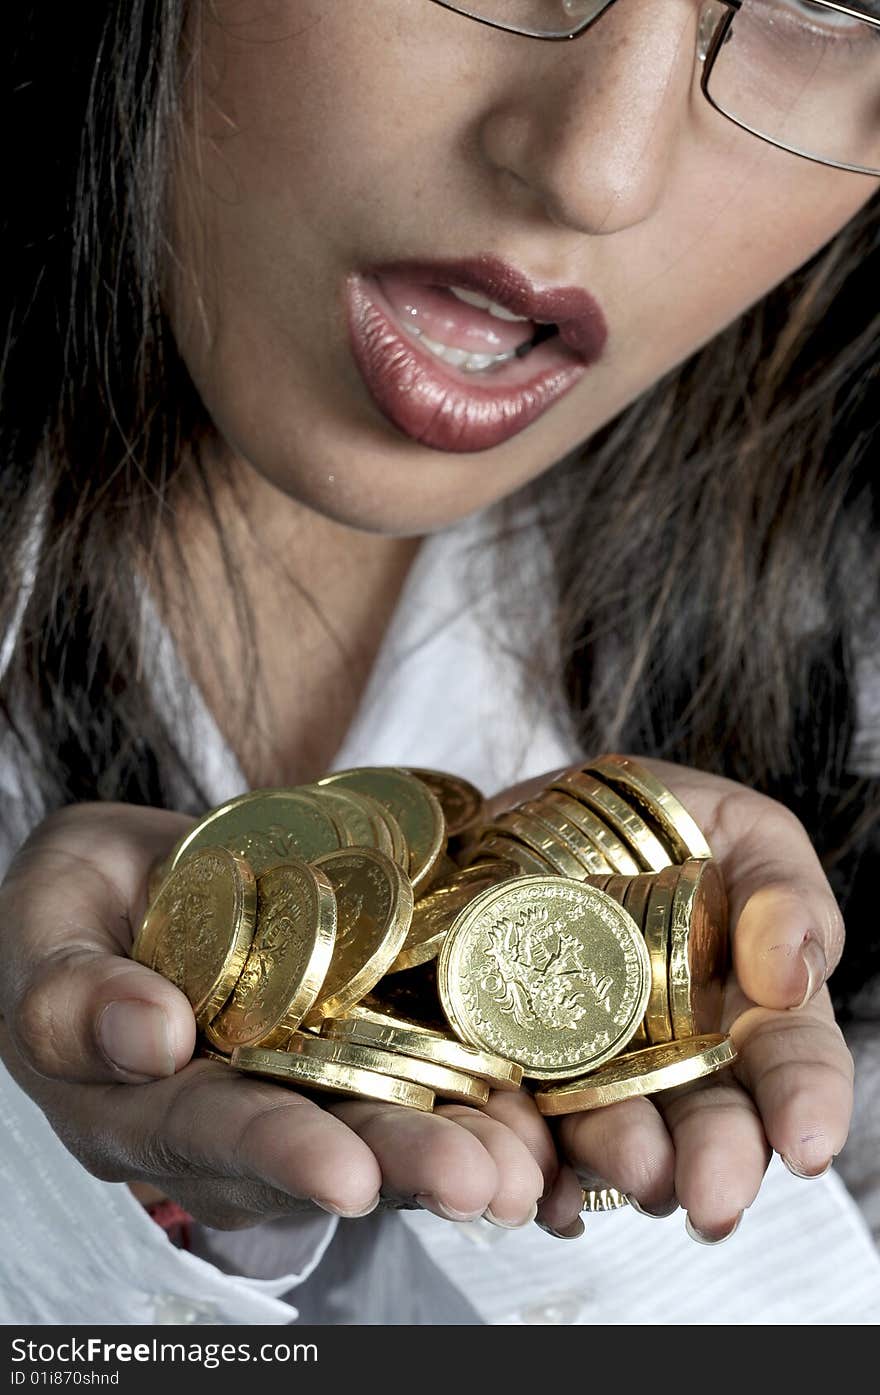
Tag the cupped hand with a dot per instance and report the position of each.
(706, 1147)
(104, 1047)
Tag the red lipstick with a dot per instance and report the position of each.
(454, 376)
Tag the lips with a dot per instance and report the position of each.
(440, 405)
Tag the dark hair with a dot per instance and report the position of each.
(714, 545)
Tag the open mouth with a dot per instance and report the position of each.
(462, 356)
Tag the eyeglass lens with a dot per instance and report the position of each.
(802, 75)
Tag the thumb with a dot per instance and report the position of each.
(77, 1006)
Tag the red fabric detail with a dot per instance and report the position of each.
(176, 1222)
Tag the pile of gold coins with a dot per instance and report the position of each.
(379, 934)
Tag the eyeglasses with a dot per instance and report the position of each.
(803, 75)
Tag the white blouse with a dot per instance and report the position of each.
(446, 691)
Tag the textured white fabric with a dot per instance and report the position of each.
(76, 1250)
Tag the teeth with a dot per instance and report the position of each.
(461, 358)
(481, 302)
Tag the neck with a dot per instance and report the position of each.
(279, 615)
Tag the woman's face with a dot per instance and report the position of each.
(348, 163)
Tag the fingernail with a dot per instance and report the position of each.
(816, 966)
(657, 1213)
(446, 1213)
(797, 1171)
(134, 1037)
(704, 1238)
(343, 1214)
(489, 1215)
(574, 1231)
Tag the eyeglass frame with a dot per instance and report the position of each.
(719, 37)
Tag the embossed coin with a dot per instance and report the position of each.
(618, 815)
(547, 972)
(594, 830)
(658, 913)
(443, 1051)
(597, 1199)
(288, 960)
(461, 802)
(265, 828)
(359, 820)
(642, 1073)
(593, 862)
(374, 906)
(508, 849)
(434, 913)
(655, 802)
(292, 1069)
(541, 839)
(698, 948)
(411, 803)
(199, 928)
(449, 1084)
(369, 1009)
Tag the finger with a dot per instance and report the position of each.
(627, 1146)
(721, 1153)
(78, 1008)
(426, 1158)
(798, 1069)
(518, 1112)
(788, 929)
(520, 1183)
(559, 1212)
(209, 1123)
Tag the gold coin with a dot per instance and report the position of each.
(546, 972)
(635, 901)
(330, 1077)
(434, 913)
(288, 960)
(596, 832)
(445, 871)
(657, 803)
(370, 1010)
(658, 914)
(642, 1073)
(462, 803)
(593, 862)
(198, 930)
(411, 993)
(448, 1084)
(374, 906)
(205, 1053)
(596, 1199)
(600, 883)
(505, 848)
(443, 1051)
(630, 827)
(358, 823)
(698, 948)
(411, 803)
(543, 840)
(265, 828)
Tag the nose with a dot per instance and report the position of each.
(587, 130)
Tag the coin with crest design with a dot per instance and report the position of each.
(462, 803)
(288, 960)
(199, 928)
(374, 906)
(411, 804)
(545, 971)
(435, 912)
(265, 827)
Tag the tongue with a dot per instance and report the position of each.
(436, 312)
